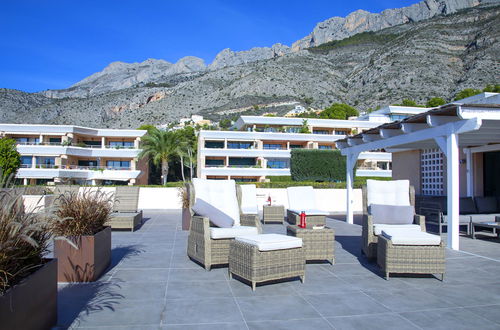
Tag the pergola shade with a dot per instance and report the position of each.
(450, 128)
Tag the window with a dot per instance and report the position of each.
(214, 162)
(121, 144)
(214, 144)
(87, 163)
(242, 162)
(277, 163)
(54, 140)
(292, 129)
(431, 162)
(273, 146)
(270, 129)
(325, 147)
(93, 143)
(397, 117)
(26, 161)
(118, 164)
(239, 145)
(340, 133)
(27, 140)
(46, 161)
(321, 131)
(293, 146)
(245, 179)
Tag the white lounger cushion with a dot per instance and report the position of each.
(249, 199)
(388, 192)
(309, 212)
(271, 242)
(379, 227)
(221, 233)
(410, 237)
(217, 200)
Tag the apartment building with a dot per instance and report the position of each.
(261, 147)
(69, 154)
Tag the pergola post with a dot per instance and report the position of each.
(453, 190)
(350, 162)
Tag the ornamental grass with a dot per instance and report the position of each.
(24, 238)
(81, 214)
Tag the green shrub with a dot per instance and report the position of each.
(317, 165)
(280, 178)
(10, 158)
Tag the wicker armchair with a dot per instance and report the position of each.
(125, 209)
(368, 239)
(201, 247)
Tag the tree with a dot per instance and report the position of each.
(10, 158)
(305, 127)
(409, 103)
(468, 92)
(338, 111)
(186, 149)
(435, 102)
(492, 89)
(160, 147)
(225, 123)
(147, 127)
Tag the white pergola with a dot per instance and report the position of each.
(474, 127)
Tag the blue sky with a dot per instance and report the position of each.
(53, 44)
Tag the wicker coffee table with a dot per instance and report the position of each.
(318, 244)
(273, 213)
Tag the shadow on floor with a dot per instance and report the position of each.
(352, 244)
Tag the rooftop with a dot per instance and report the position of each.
(152, 284)
(63, 129)
(290, 121)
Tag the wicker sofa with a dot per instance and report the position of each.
(125, 209)
(369, 239)
(202, 247)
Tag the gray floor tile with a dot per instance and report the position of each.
(198, 289)
(489, 312)
(409, 300)
(295, 324)
(372, 322)
(207, 326)
(198, 274)
(195, 311)
(344, 303)
(454, 318)
(275, 308)
(141, 275)
(467, 295)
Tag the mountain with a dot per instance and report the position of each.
(419, 59)
(119, 75)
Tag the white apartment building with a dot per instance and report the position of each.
(262, 147)
(81, 155)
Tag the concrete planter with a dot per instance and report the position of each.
(32, 303)
(88, 262)
(38, 203)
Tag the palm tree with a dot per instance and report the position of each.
(159, 146)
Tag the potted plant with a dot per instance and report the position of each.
(28, 281)
(82, 242)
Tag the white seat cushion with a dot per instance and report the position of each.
(410, 237)
(249, 199)
(271, 242)
(378, 227)
(217, 200)
(221, 233)
(388, 192)
(309, 212)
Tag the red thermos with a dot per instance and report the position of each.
(302, 220)
(269, 200)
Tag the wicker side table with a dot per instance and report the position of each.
(273, 213)
(318, 244)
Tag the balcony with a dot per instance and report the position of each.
(77, 172)
(244, 170)
(83, 151)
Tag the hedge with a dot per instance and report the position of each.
(317, 165)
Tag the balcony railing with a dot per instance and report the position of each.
(77, 167)
(79, 145)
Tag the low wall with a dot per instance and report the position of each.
(331, 200)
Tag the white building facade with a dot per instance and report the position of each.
(71, 154)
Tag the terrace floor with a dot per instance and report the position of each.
(153, 285)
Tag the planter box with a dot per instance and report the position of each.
(38, 203)
(32, 303)
(87, 263)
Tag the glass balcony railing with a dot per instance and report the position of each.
(77, 167)
(79, 145)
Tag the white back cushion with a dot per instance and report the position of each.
(216, 199)
(388, 192)
(249, 199)
(301, 198)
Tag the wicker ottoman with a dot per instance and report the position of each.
(293, 218)
(318, 244)
(256, 262)
(410, 259)
(273, 213)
